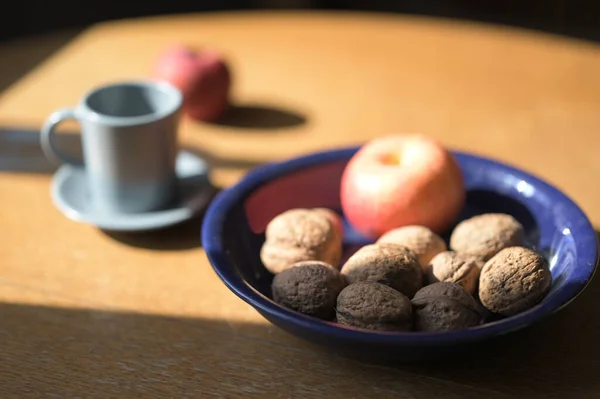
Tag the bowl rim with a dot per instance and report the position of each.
(212, 229)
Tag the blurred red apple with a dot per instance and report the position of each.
(401, 180)
(202, 76)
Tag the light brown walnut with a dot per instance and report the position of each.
(514, 280)
(454, 267)
(299, 235)
(389, 264)
(487, 234)
(421, 240)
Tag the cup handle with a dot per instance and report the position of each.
(47, 136)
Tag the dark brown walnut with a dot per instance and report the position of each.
(454, 267)
(374, 306)
(309, 287)
(514, 280)
(445, 306)
(299, 235)
(485, 235)
(421, 240)
(389, 264)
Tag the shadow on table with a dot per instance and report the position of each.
(557, 357)
(259, 116)
(20, 152)
(19, 56)
(178, 238)
(184, 236)
(98, 354)
(217, 161)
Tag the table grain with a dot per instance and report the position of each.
(87, 314)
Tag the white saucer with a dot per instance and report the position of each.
(70, 195)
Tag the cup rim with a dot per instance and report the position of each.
(174, 105)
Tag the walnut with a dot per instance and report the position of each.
(298, 235)
(514, 280)
(485, 235)
(445, 306)
(454, 267)
(374, 306)
(309, 287)
(419, 239)
(334, 218)
(390, 264)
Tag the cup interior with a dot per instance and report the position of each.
(130, 100)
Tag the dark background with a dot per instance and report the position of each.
(573, 18)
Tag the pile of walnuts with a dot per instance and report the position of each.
(409, 279)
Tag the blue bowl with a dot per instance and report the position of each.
(233, 232)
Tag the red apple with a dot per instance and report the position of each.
(401, 180)
(202, 76)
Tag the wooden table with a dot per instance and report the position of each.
(91, 315)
